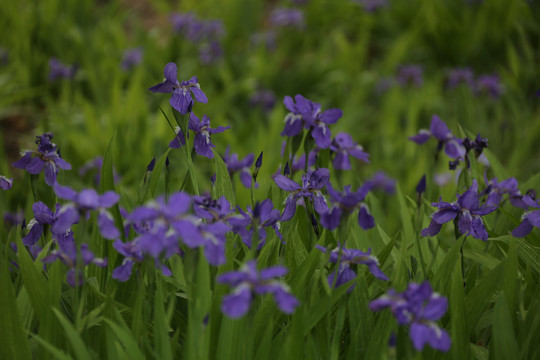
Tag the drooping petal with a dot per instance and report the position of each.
(322, 135)
(65, 192)
(331, 219)
(341, 161)
(62, 164)
(35, 166)
(534, 218)
(181, 100)
(319, 178)
(237, 304)
(290, 207)
(67, 216)
(106, 226)
(273, 272)
(284, 183)
(123, 272)
(203, 146)
(285, 300)
(523, 229)
(50, 173)
(42, 213)
(445, 215)
(433, 229)
(454, 149)
(198, 94)
(464, 223)
(365, 219)
(479, 230)
(420, 138)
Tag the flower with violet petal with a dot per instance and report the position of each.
(234, 165)
(466, 212)
(307, 114)
(201, 127)
(343, 145)
(131, 58)
(347, 258)
(80, 204)
(419, 307)
(181, 99)
(248, 282)
(529, 220)
(262, 216)
(312, 184)
(345, 203)
(46, 158)
(66, 252)
(5, 183)
(453, 146)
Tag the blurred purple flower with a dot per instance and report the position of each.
(67, 253)
(496, 190)
(46, 158)
(181, 98)
(131, 58)
(96, 164)
(489, 85)
(59, 70)
(210, 52)
(5, 183)
(265, 99)
(372, 5)
(212, 210)
(268, 39)
(282, 17)
(383, 182)
(419, 307)
(458, 76)
(467, 213)
(81, 203)
(343, 145)
(132, 255)
(347, 258)
(410, 75)
(248, 282)
(312, 184)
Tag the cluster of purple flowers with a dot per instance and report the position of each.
(248, 282)
(488, 84)
(420, 308)
(59, 70)
(456, 148)
(46, 158)
(204, 33)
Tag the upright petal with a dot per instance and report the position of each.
(523, 229)
(170, 73)
(331, 116)
(438, 128)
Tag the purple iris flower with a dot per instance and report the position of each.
(212, 210)
(131, 58)
(312, 184)
(59, 70)
(81, 203)
(211, 237)
(282, 17)
(42, 216)
(496, 190)
(132, 255)
(419, 307)
(235, 165)
(349, 258)
(529, 220)
(467, 213)
(67, 253)
(201, 127)
(343, 145)
(181, 98)
(307, 114)
(262, 216)
(490, 85)
(248, 282)
(410, 75)
(345, 203)
(453, 146)
(46, 158)
(5, 183)
(458, 76)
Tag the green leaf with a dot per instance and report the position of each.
(79, 348)
(13, 341)
(223, 185)
(58, 354)
(161, 328)
(504, 340)
(127, 340)
(107, 184)
(460, 348)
